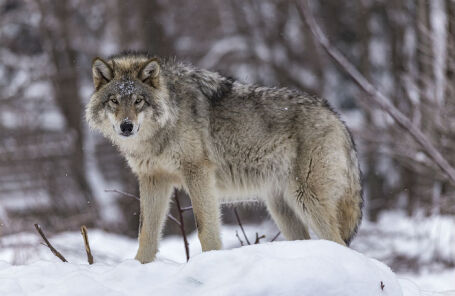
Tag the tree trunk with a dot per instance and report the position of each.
(65, 84)
(151, 30)
(426, 86)
(373, 181)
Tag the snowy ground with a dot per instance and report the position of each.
(280, 268)
(420, 250)
(397, 241)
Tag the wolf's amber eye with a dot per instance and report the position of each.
(114, 101)
(138, 101)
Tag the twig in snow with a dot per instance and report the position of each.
(238, 237)
(53, 250)
(86, 244)
(241, 226)
(258, 238)
(182, 225)
(276, 236)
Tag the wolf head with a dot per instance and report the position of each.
(130, 96)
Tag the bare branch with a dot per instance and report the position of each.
(189, 208)
(276, 236)
(182, 225)
(241, 226)
(375, 95)
(86, 244)
(53, 250)
(258, 238)
(123, 193)
(173, 219)
(238, 237)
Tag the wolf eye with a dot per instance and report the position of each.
(114, 101)
(138, 101)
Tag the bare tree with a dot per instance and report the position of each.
(379, 98)
(65, 85)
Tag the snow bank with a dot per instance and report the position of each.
(425, 240)
(313, 267)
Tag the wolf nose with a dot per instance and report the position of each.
(126, 127)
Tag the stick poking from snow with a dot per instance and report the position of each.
(241, 226)
(182, 226)
(258, 238)
(238, 237)
(276, 236)
(53, 250)
(86, 244)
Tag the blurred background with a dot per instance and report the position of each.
(54, 170)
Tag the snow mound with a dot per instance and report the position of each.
(280, 268)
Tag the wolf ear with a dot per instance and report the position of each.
(150, 73)
(102, 73)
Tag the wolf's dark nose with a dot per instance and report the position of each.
(126, 127)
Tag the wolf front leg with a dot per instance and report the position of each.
(155, 194)
(200, 186)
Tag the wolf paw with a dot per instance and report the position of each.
(144, 258)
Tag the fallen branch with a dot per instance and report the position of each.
(375, 95)
(53, 250)
(86, 244)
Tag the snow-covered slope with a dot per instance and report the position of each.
(313, 267)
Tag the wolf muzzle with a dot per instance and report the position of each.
(126, 128)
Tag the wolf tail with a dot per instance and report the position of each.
(350, 216)
(351, 204)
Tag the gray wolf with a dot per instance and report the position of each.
(219, 139)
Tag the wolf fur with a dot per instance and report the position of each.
(220, 139)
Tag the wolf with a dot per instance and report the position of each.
(221, 140)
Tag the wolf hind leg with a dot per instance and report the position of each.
(289, 224)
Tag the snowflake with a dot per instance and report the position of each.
(126, 88)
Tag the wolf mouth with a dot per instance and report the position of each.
(126, 134)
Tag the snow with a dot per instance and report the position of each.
(426, 240)
(425, 283)
(313, 267)
(29, 268)
(125, 88)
